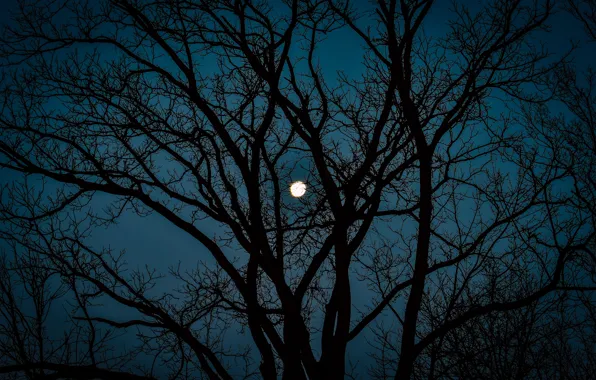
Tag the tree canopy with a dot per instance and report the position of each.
(448, 224)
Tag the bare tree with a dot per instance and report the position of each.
(433, 187)
(30, 346)
(585, 12)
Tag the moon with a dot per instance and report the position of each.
(297, 189)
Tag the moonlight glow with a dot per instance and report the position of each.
(297, 189)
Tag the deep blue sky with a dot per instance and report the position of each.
(154, 241)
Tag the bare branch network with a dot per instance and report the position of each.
(448, 224)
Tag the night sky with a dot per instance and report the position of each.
(153, 241)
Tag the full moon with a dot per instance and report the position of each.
(297, 189)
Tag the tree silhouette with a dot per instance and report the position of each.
(441, 184)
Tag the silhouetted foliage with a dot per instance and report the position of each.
(449, 219)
